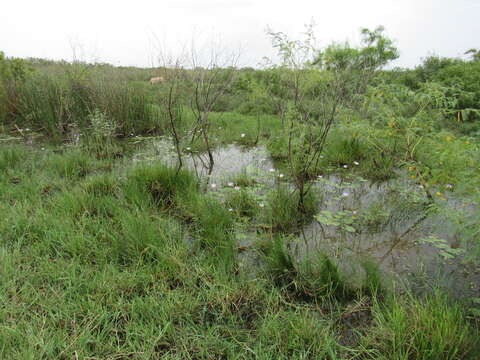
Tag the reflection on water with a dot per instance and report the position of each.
(229, 161)
(389, 220)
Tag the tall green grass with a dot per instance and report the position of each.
(61, 104)
(430, 328)
(283, 213)
(102, 261)
(312, 279)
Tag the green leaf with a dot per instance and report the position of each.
(349, 228)
(446, 255)
(475, 312)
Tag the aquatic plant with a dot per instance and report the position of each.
(283, 213)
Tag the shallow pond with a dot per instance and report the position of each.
(393, 224)
(229, 161)
(396, 226)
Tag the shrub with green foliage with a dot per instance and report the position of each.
(13, 73)
(460, 78)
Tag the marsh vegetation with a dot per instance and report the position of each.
(319, 208)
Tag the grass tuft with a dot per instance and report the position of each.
(283, 213)
(426, 329)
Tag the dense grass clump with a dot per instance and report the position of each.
(177, 192)
(280, 263)
(297, 335)
(242, 203)
(284, 213)
(430, 328)
(309, 280)
(146, 240)
(164, 186)
(73, 164)
(102, 185)
(11, 156)
(243, 179)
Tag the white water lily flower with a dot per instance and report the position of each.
(345, 166)
(345, 194)
(356, 163)
(237, 187)
(230, 184)
(243, 135)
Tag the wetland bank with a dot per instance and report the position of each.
(318, 210)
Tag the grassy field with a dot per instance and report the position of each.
(106, 253)
(96, 262)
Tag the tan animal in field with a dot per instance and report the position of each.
(156, 80)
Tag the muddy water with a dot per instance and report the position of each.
(229, 161)
(394, 226)
(388, 220)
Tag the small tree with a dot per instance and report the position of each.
(343, 73)
(474, 53)
(195, 82)
(172, 96)
(207, 85)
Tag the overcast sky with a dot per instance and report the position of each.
(128, 32)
